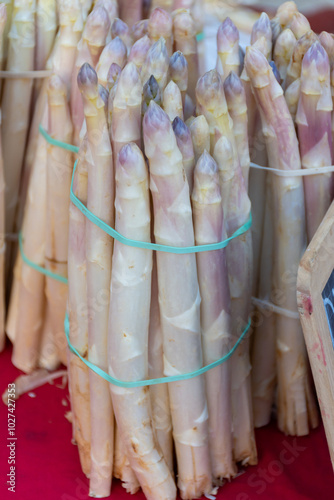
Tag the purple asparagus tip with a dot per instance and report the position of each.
(227, 35)
(316, 56)
(262, 27)
(87, 80)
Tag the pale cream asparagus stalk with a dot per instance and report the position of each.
(161, 413)
(228, 48)
(178, 72)
(264, 337)
(164, 4)
(315, 134)
(292, 95)
(156, 64)
(185, 40)
(31, 305)
(131, 281)
(126, 114)
(160, 24)
(151, 91)
(131, 11)
(89, 50)
(296, 404)
(78, 311)
(59, 174)
(299, 25)
(139, 30)
(49, 353)
(86, 6)
(285, 13)
(179, 300)
(200, 135)
(172, 101)
(121, 29)
(295, 66)
(2, 252)
(236, 207)
(215, 313)
(139, 52)
(113, 53)
(46, 27)
(237, 107)
(262, 28)
(122, 469)
(283, 51)
(185, 145)
(98, 262)
(17, 94)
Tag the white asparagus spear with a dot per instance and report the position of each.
(292, 95)
(299, 25)
(128, 333)
(200, 135)
(283, 51)
(78, 312)
(161, 414)
(121, 29)
(296, 404)
(114, 52)
(185, 145)
(139, 30)
(46, 27)
(98, 261)
(139, 52)
(156, 64)
(228, 48)
(215, 313)
(160, 24)
(131, 11)
(172, 101)
(179, 300)
(59, 175)
(295, 65)
(49, 354)
(178, 72)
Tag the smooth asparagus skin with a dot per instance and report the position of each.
(185, 40)
(228, 48)
(178, 72)
(283, 51)
(200, 135)
(299, 25)
(296, 405)
(215, 312)
(262, 28)
(114, 52)
(139, 51)
(128, 334)
(314, 123)
(156, 64)
(131, 11)
(98, 262)
(121, 29)
(185, 145)
(172, 101)
(160, 24)
(139, 29)
(179, 298)
(295, 66)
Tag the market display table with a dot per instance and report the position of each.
(47, 464)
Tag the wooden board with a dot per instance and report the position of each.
(315, 295)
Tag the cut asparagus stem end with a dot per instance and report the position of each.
(227, 36)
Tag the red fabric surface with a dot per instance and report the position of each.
(47, 464)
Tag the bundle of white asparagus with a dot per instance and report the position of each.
(164, 157)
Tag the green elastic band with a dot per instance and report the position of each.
(54, 142)
(154, 381)
(200, 36)
(38, 268)
(152, 246)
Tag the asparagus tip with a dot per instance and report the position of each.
(227, 35)
(56, 85)
(316, 56)
(87, 79)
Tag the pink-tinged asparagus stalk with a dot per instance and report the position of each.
(156, 64)
(111, 7)
(315, 134)
(262, 28)
(139, 51)
(131, 281)
(172, 101)
(283, 51)
(292, 95)
(200, 135)
(89, 50)
(126, 114)
(139, 30)
(2, 253)
(236, 207)
(98, 262)
(113, 53)
(211, 102)
(185, 145)
(264, 338)
(185, 41)
(46, 27)
(161, 413)
(30, 308)
(3, 23)
(178, 72)
(300, 49)
(121, 29)
(151, 92)
(228, 48)
(237, 107)
(78, 311)
(59, 174)
(215, 312)
(327, 41)
(16, 104)
(179, 300)
(296, 404)
(160, 24)
(164, 4)
(131, 11)
(299, 25)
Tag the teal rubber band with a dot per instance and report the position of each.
(200, 36)
(38, 268)
(54, 142)
(154, 381)
(152, 246)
